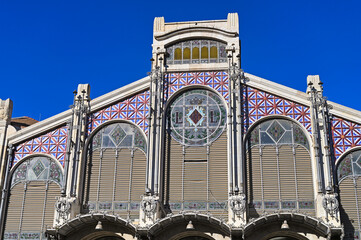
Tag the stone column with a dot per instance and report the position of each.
(69, 204)
(6, 107)
(326, 199)
(151, 207)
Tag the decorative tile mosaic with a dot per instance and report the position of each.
(256, 204)
(29, 235)
(346, 135)
(10, 235)
(105, 206)
(271, 205)
(134, 206)
(306, 205)
(175, 206)
(216, 80)
(120, 206)
(53, 143)
(259, 104)
(135, 109)
(195, 205)
(217, 205)
(288, 204)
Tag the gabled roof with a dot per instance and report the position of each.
(143, 84)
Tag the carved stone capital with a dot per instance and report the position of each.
(237, 203)
(6, 107)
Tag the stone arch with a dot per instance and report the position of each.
(278, 158)
(303, 226)
(83, 227)
(174, 227)
(195, 150)
(121, 155)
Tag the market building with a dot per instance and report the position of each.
(198, 149)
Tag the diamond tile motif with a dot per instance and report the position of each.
(216, 80)
(135, 109)
(52, 143)
(38, 168)
(118, 135)
(195, 116)
(276, 131)
(258, 104)
(346, 135)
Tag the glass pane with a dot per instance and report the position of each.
(186, 53)
(177, 54)
(204, 53)
(214, 52)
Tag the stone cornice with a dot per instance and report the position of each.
(300, 97)
(187, 30)
(64, 117)
(143, 84)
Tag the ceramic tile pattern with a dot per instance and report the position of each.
(52, 143)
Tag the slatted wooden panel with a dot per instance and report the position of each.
(175, 171)
(270, 177)
(349, 208)
(254, 175)
(166, 172)
(195, 154)
(123, 175)
(218, 174)
(195, 182)
(304, 174)
(107, 175)
(53, 193)
(34, 205)
(287, 173)
(14, 208)
(138, 179)
(94, 176)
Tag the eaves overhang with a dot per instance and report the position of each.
(300, 97)
(64, 117)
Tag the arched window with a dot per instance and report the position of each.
(115, 176)
(196, 51)
(279, 172)
(349, 176)
(195, 159)
(35, 184)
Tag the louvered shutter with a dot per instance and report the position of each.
(349, 215)
(52, 194)
(138, 181)
(175, 172)
(269, 170)
(287, 173)
(14, 208)
(33, 207)
(218, 175)
(107, 175)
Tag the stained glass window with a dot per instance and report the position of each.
(277, 132)
(197, 118)
(119, 135)
(38, 169)
(197, 51)
(350, 165)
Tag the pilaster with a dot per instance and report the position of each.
(69, 204)
(150, 209)
(6, 107)
(326, 199)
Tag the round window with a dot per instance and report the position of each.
(197, 118)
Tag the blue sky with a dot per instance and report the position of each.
(48, 47)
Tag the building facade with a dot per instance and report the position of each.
(198, 150)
